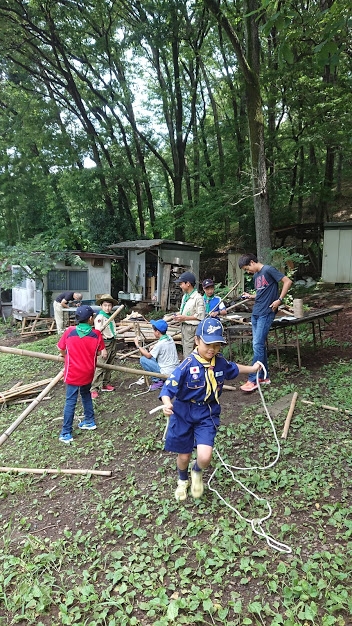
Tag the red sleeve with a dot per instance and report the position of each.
(62, 341)
(101, 340)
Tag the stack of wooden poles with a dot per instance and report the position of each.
(137, 326)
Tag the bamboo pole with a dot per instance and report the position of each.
(289, 416)
(30, 408)
(14, 392)
(15, 386)
(224, 298)
(112, 316)
(327, 407)
(113, 368)
(61, 359)
(32, 470)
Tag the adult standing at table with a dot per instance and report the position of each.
(267, 302)
(214, 306)
(61, 302)
(192, 311)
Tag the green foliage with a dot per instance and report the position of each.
(83, 550)
(286, 260)
(34, 259)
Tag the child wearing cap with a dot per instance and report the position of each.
(214, 306)
(162, 358)
(80, 345)
(192, 311)
(101, 380)
(196, 385)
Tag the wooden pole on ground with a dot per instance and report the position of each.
(31, 470)
(327, 407)
(30, 408)
(289, 416)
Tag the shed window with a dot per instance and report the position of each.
(68, 280)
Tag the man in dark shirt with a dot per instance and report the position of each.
(267, 302)
(62, 302)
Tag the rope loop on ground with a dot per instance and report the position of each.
(255, 523)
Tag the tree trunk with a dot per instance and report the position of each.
(250, 67)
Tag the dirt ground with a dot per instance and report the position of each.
(66, 506)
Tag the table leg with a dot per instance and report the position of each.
(313, 331)
(298, 349)
(277, 348)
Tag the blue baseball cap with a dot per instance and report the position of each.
(186, 277)
(210, 330)
(160, 325)
(84, 312)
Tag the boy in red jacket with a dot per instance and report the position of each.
(81, 345)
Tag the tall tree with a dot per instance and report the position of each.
(249, 62)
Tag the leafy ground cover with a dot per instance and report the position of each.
(117, 551)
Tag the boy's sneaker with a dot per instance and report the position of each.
(264, 381)
(108, 388)
(87, 425)
(67, 438)
(197, 486)
(94, 395)
(249, 386)
(181, 490)
(155, 386)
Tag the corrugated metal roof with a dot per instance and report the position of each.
(144, 244)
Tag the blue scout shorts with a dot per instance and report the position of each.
(192, 424)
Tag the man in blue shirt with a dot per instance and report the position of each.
(267, 302)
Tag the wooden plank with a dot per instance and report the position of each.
(165, 286)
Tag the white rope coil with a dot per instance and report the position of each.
(256, 523)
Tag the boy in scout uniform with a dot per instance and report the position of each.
(195, 386)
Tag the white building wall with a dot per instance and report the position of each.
(337, 254)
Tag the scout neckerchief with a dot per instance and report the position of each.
(210, 379)
(207, 301)
(163, 337)
(111, 324)
(83, 329)
(185, 299)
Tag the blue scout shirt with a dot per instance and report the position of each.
(266, 289)
(213, 304)
(187, 382)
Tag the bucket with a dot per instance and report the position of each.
(298, 308)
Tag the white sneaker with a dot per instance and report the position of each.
(181, 490)
(197, 486)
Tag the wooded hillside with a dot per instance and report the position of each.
(209, 122)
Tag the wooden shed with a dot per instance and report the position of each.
(93, 278)
(151, 267)
(337, 252)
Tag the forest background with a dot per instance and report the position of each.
(203, 121)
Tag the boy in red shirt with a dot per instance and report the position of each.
(80, 345)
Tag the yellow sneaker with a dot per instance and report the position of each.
(181, 490)
(197, 486)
